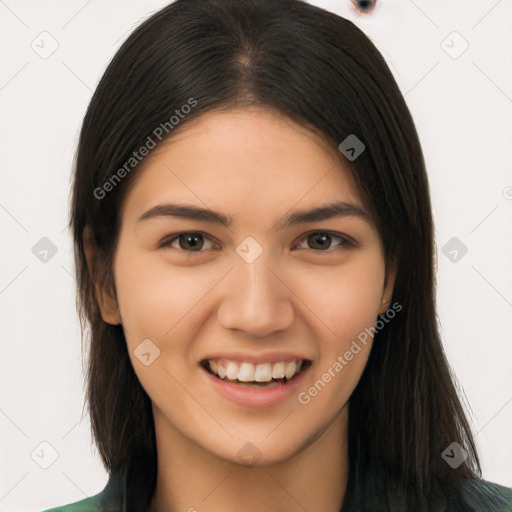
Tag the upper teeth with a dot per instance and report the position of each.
(248, 372)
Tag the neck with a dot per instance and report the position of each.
(192, 479)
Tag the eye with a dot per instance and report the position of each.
(190, 242)
(194, 241)
(323, 240)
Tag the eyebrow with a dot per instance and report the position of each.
(338, 209)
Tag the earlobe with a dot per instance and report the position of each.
(107, 303)
(108, 306)
(383, 306)
(387, 291)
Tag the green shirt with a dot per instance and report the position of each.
(481, 496)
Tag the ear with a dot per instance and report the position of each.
(106, 302)
(387, 291)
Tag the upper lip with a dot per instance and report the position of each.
(274, 357)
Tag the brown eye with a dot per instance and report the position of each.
(323, 241)
(191, 242)
(319, 241)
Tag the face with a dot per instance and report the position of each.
(247, 275)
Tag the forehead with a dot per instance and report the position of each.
(250, 160)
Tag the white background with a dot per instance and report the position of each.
(461, 106)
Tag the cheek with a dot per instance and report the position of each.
(345, 299)
(350, 310)
(160, 303)
(155, 297)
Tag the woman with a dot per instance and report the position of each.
(254, 249)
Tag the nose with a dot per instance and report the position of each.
(256, 299)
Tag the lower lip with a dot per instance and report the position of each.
(256, 397)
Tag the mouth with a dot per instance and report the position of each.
(260, 375)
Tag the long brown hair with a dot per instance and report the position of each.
(321, 71)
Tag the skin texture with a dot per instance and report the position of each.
(257, 167)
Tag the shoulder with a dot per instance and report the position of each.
(111, 499)
(484, 496)
(92, 504)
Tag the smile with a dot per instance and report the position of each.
(259, 375)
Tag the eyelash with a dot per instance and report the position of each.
(344, 241)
